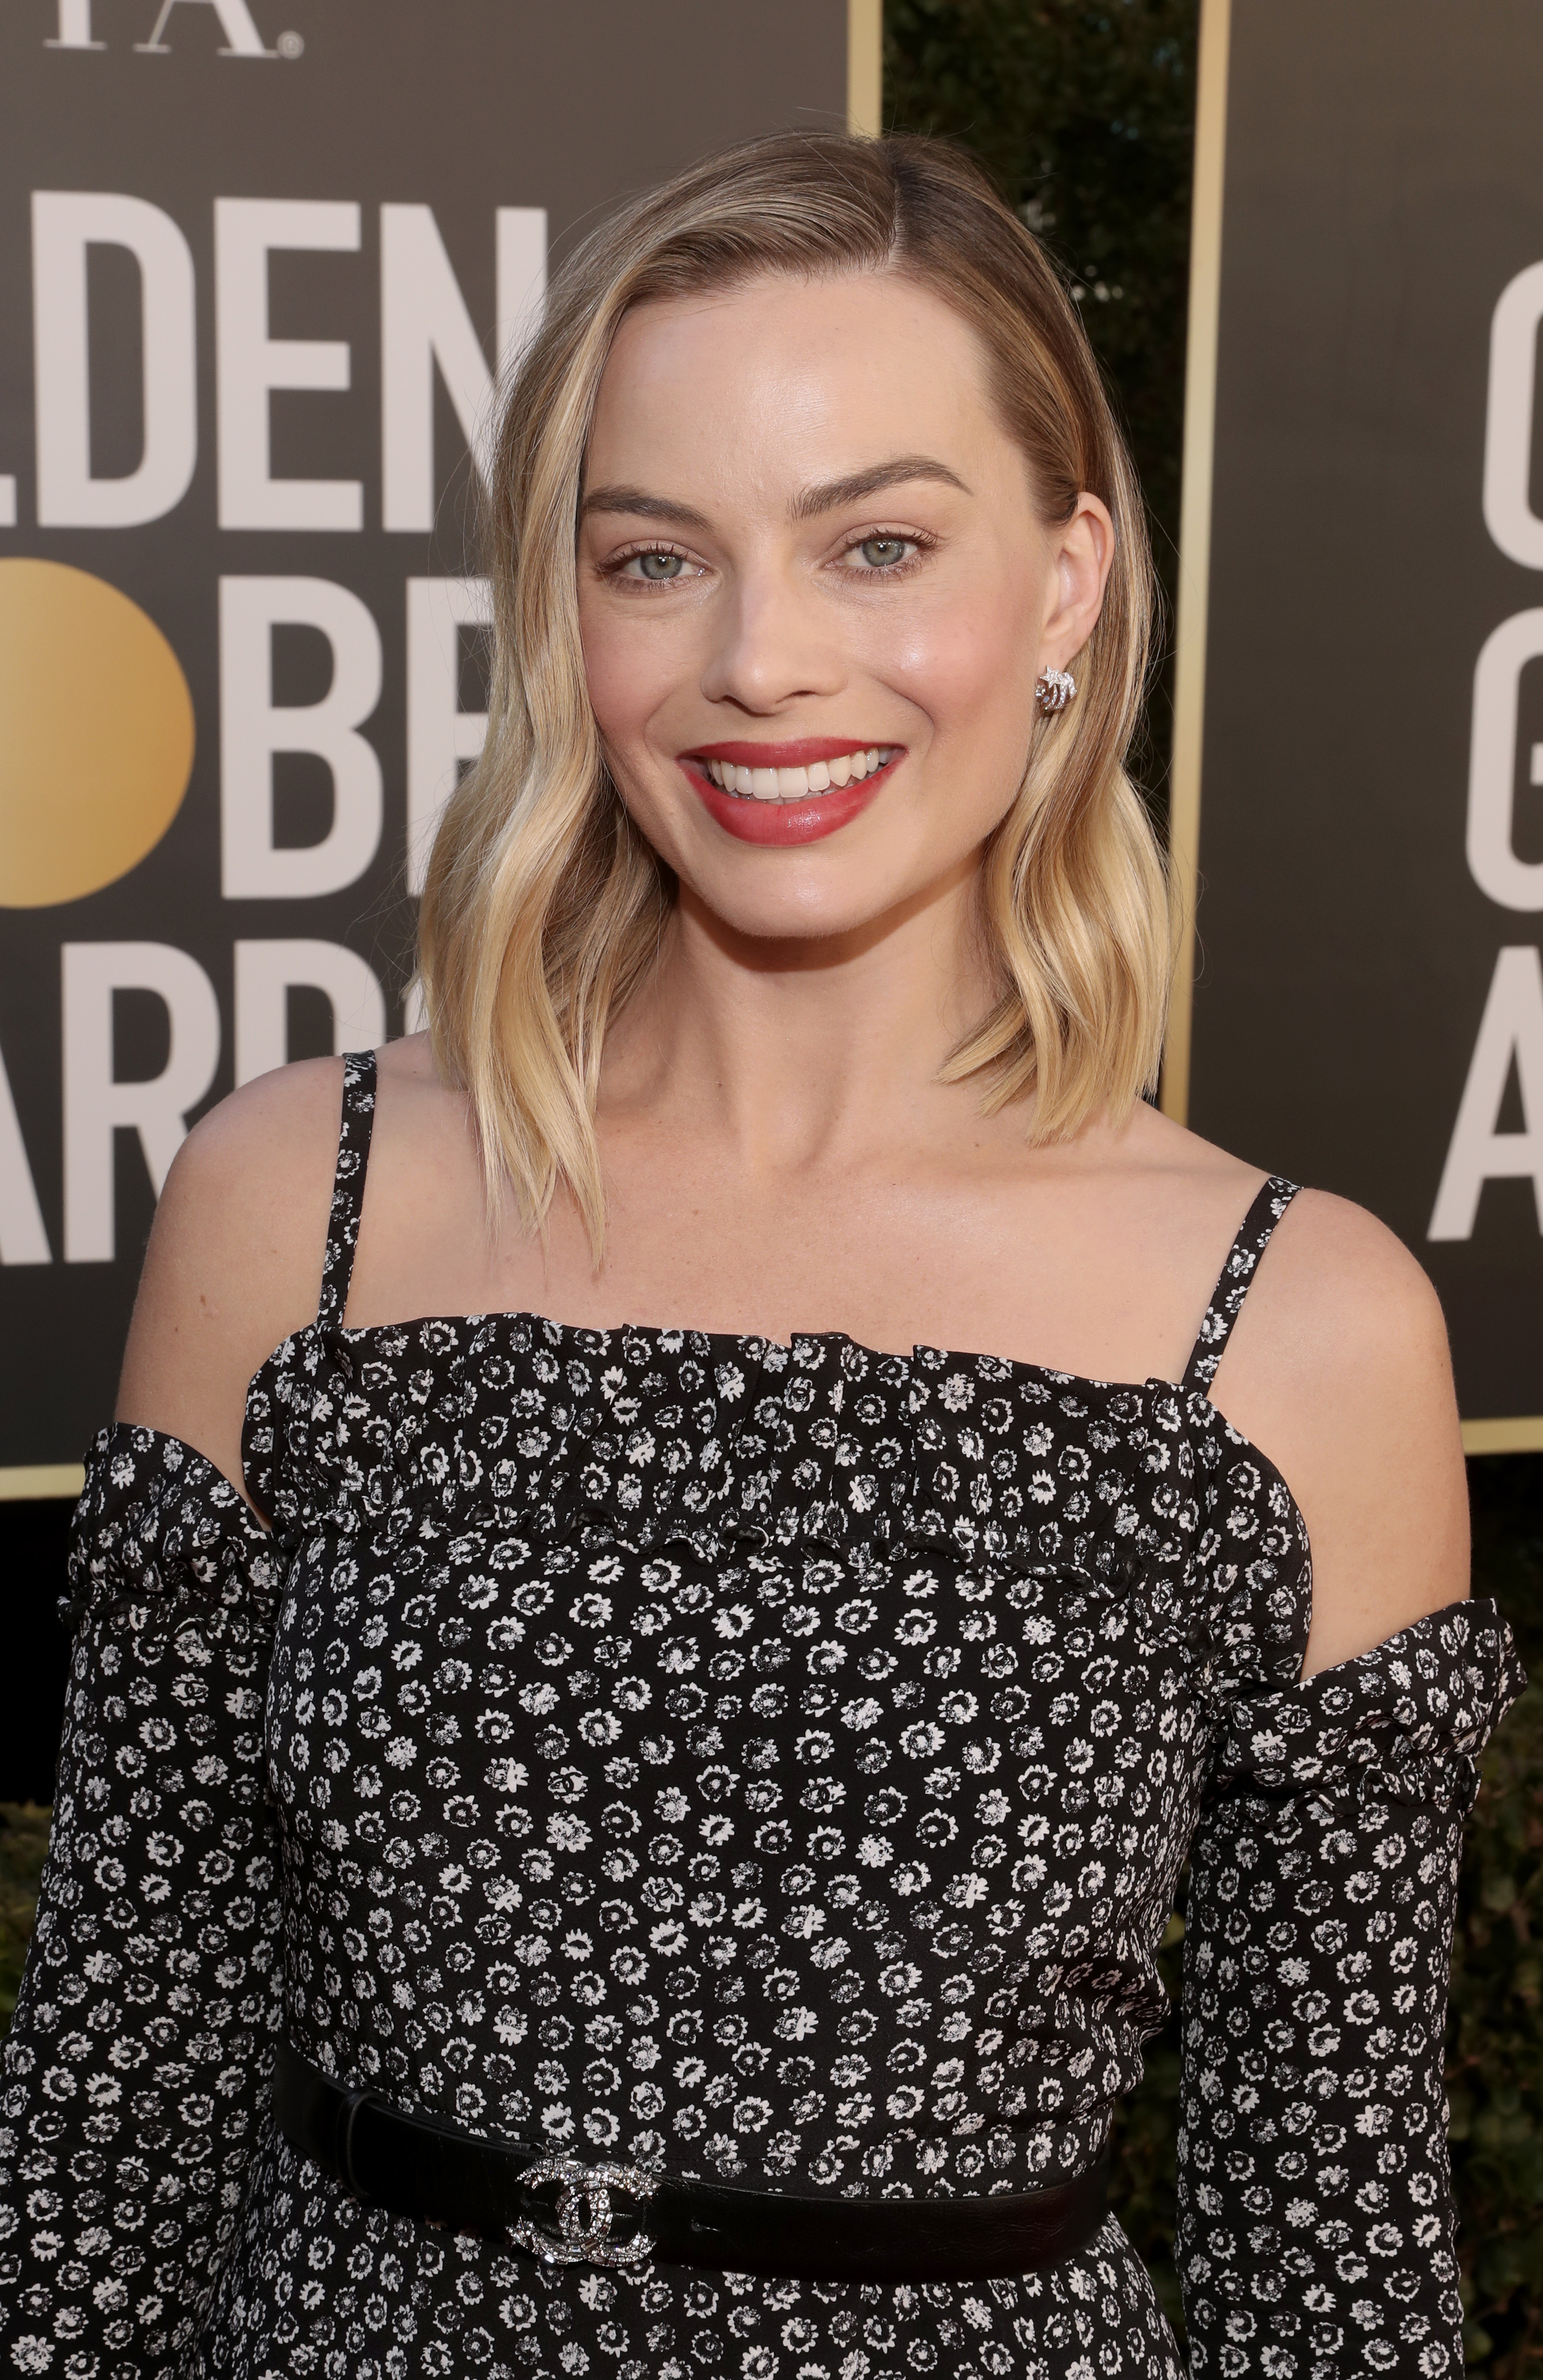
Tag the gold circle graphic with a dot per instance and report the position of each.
(96, 733)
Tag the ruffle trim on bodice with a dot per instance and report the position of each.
(642, 1438)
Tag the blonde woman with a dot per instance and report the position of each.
(686, 1555)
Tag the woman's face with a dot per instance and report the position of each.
(815, 596)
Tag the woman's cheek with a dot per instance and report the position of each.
(628, 671)
(958, 666)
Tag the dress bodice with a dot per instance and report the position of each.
(781, 1692)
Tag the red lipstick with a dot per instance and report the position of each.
(785, 823)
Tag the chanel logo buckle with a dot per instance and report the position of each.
(583, 2233)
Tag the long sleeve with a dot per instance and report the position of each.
(139, 2054)
(1316, 2225)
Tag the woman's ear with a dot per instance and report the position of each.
(1082, 558)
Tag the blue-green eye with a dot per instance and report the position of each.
(883, 552)
(659, 566)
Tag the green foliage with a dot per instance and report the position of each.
(1143, 2189)
(23, 1841)
(1082, 110)
(1495, 2045)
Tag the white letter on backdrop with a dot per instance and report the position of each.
(96, 1106)
(1511, 1032)
(242, 38)
(252, 729)
(521, 278)
(64, 223)
(264, 972)
(440, 734)
(251, 364)
(75, 27)
(1508, 513)
(1514, 883)
(23, 1240)
(7, 500)
(423, 322)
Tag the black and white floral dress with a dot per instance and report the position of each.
(772, 1762)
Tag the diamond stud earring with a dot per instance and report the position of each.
(1054, 690)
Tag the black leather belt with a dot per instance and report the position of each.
(561, 2211)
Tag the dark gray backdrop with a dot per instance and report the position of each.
(1384, 185)
(464, 106)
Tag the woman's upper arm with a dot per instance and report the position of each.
(1339, 1371)
(234, 1263)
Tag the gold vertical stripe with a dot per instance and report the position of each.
(24, 1482)
(1194, 526)
(864, 68)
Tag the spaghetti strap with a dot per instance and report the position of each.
(353, 1160)
(1233, 1288)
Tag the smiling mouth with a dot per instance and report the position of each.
(795, 785)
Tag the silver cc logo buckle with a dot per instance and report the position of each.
(583, 2233)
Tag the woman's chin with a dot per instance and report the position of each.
(783, 919)
(770, 900)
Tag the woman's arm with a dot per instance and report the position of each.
(234, 1263)
(1317, 2229)
(136, 2073)
(1316, 2222)
(1338, 1369)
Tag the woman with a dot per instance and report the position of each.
(660, 1712)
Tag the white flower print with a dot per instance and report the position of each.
(881, 1921)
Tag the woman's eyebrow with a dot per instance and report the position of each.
(832, 496)
(637, 502)
(826, 496)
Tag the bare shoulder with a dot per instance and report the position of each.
(1340, 1295)
(1339, 1370)
(234, 1263)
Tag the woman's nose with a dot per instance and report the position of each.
(770, 645)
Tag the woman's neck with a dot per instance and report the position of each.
(793, 1048)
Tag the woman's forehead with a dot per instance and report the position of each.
(785, 374)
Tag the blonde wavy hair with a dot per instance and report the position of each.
(544, 906)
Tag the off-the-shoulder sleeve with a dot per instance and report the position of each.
(139, 2054)
(1316, 2228)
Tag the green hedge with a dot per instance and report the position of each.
(23, 1841)
(1495, 2049)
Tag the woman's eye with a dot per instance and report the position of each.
(658, 568)
(884, 553)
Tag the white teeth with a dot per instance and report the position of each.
(797, 785)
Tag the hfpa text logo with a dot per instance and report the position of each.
(242, 39)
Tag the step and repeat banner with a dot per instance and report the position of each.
(259, 260)
(1358, 792)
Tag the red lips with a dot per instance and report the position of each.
(781, 823)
